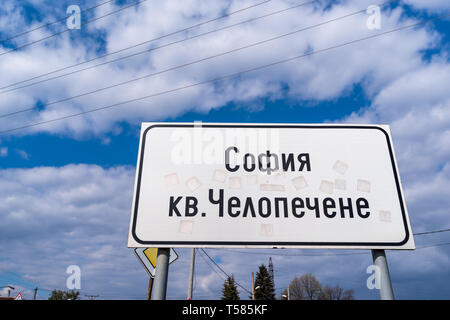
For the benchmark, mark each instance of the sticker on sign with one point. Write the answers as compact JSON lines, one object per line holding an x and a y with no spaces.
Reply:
{"x":268,"y":186}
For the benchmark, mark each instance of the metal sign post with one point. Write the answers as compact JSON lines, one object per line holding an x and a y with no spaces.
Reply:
{"x":237,"y":185}
{"x":162,"y":271}
{"x":379,"y":260}
{"x":191,"y":275}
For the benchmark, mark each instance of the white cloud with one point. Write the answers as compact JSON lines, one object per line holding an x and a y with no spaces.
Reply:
{"x":417,"y":107}
{"x":4,"y":292}
{"x":55,"y":217}
{"x":3,"y":152}
{"x":324,"y":76}
{"x":22,"y":154}
{"x":79,"y":214}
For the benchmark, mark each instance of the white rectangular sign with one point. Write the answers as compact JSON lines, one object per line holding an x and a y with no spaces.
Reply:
{"x":268,"y":186}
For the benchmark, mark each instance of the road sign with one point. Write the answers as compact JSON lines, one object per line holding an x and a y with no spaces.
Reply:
{"x":268,"y":185}
{"x":147,"y":256}
{"x":19,"y":297}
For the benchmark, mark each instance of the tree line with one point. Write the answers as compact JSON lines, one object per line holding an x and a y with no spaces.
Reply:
{"x":304,"y":287}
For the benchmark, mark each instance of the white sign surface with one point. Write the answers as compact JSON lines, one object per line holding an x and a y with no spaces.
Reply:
{"x":267,"y":186}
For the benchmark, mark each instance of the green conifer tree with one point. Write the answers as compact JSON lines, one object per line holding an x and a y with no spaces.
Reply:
{"x":229,"y":290}
{"x":264,"y":286}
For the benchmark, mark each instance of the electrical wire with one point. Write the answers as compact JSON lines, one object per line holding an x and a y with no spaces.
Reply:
{"x":430,"y":232}
{"x":146,"y":50}
{"x":322,"y":254}
{"x":434,"y":245}
{"x":220,"y":268}
{"x":180,"y":66}
{"x":53,"y":22}
{"x":338,"y":254}
{"x":66,"y":30}
{"x":233,"y":75}
{"x":206,"y":261}
{"x":203,"y":251}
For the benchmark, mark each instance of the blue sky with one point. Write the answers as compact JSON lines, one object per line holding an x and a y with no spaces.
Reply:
{"x":51,"y":150}
{"x":66,"y":187}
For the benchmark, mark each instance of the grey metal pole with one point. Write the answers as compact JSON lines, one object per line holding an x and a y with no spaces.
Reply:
{"x":149,"y":289}
{"x":161,"y":274}
{"x":191,"y":275}
{"x":379,"y":260}
{"x":253,"y":286}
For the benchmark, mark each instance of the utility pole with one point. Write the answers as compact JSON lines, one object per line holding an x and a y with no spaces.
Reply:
{"x":150,"y":287}
{"x":253,"y":286}
{"x":35,"y":293}
{"x":271,"y":273}
{"x":191,"y":275}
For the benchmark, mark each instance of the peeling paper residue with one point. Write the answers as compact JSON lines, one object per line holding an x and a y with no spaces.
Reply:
{"x":193,"y":183}
{"x":235,"y":183}
{"x":252,"y":180}
{"x":326,"y":186}
{"x":299,"y":183}
{"x":363,"y":185}
{"x":220,"y":176}
{"x":385,"y":216}
{"x":340,"y":167}
{"x":271,"y":187}
{"x":340,"y":184}
{"x":186,"y":227}
{"x":171,"y":179}
{"x":266,"y":230}
{"x":280,"y":175}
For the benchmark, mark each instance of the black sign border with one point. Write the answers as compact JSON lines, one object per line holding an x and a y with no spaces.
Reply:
{"x":268,"y":243}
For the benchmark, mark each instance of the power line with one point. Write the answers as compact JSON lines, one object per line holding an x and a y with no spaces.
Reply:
{"x":245,"y":252}
{"x":434,"y":245}
{"x":51,"y":23}
{"x":180,"y":66}
{"x":324,"y":254}
{"x":430,"y":232}
{"x":220,"y":78}
{"x":339,"y":254}
{"x":218,"y":266}
{"x":66,"y":30}
{"x":144,"y":51}
{"x":272,"y":253}
{"x":206,"y":261}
